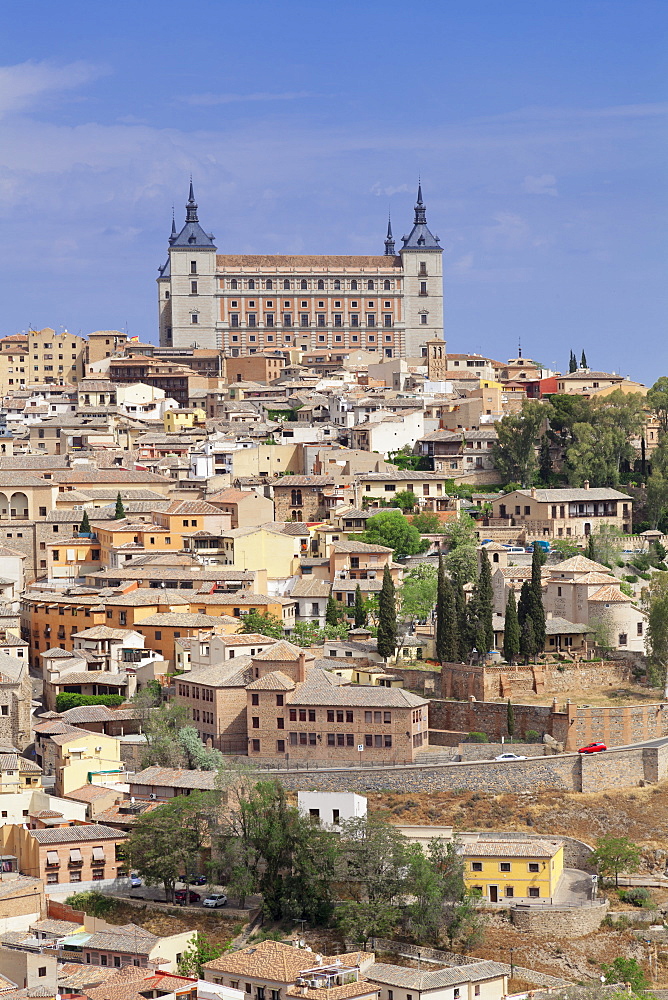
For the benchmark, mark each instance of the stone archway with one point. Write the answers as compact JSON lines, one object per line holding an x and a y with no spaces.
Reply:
{"x":19,"y":507}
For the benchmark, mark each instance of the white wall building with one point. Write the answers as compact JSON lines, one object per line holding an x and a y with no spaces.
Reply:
{"x":331,"y":808}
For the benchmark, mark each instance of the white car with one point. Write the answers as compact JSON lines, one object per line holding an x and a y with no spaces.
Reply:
{"x":215,"y":899}
{"x":510,"y":756}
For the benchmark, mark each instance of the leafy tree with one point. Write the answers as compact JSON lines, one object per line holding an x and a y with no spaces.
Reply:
{"x":627,"y":970}
{"x":528,"y":647}
{"x":360,"y":610}
{"x":515,"y":448}
{"x":418,"y":591}
{"x":564,"y":548}
{"x":605,"y":544}
{"x":656,"y":634}
{"x":198,"y":756}
{"x":160,"y":725}
{"x":120,"y":509}
{"x":428,"y":523}
{"x":657,"y":399}
{"x":511,"y":631}
{"x":307,"y":634}
{"x":405,"y":460}
{"x":485,"y":597}
{"x":447,"y":643}
{"x":614,"y":855}
{"x":583,"y":361}
{"x":545,"y":460}
{"x":387,"y":617}
{"x":84,"y":527}
{"x":462,"y":564}
{"x":510,"y":718}
{"x":197,"y":954}
{"x":373,"y":860}
{"x":361,"y":921}
{"x":405,"y":500}
{"x":263,"y":624}
{"x":461,"y":532}
{"x":166,"y":843}
{"x":657,"y":498}
{"x":602,"y":443}
{"x":392,"y":529}
{"x":465,"y":925}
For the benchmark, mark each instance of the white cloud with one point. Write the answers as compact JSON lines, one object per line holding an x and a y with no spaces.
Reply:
{"x":544,"y":184}
{"x":212,"y":100}
{"x":23,"y":86}
{"x":378,"y":189}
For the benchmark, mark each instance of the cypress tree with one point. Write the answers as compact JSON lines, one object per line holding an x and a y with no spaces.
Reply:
{"x":360,"y":613}
{"x":527,"y":640}
{"x":537,"y":609}
{"x":583,"y":361}
{"x":447,"y":642}
{"x":510,"y":718}
{"x":84,"y":527}
{"x":332,"y":612}
{"x":462,"y":634}
{"x":590,"y":550}
{"x":511,"y":632}
{"x":120,"y":509}
{"x":485,"y":603}
{"x":524,"y":605}
{"x":572,"y":364}
{"x":387,"y":617}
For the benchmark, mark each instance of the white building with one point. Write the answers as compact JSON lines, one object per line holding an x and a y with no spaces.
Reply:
{"x":331,"y":808}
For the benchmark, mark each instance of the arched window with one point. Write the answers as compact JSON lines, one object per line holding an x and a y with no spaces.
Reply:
{"x":321,"y":285}
{"x":251,"y":283}
{"x":337,"y":285}
{"x":386,"y":285}
{"x":369,"y":285}
{"x":296,"y":498}
{"x":286,"y":283}
{"x":303,"y":284}
{"x":270,"y":283}
{"x":234,"y":283}
{"x":353,"y":285}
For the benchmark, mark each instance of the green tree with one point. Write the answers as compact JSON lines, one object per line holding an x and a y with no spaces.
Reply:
{"x":387,"y":617}
{"x":657,"y":499}
{"x":515,"y":448}
{"x":165,"y":844}
{"x":614,"y":855}
{"x":447,"y":643}
{"x":360,"y":610}
{"x":307,"y":634}
{"x":120,"y":509}
{"x":428,"y":523}
{"x":627,"y":970}
{"x":537,"y":609}
{"x":655,"y":605}
{"x":545,"y":460}
{"x":392,"y":529}
{"x":485,"y":597}
{"x":465,"y":924}
{"x":160,"y":725}
{"x":197,"y":954}
{"x":604,"y":442}
{"x":564,"y":547}
{"x":361,"y":921}
{"x":373,"y":860}
{"x":418,"y":591}
{"x":198,"y":756}
{"x":405,"y":500}
{"x":465,"y":646}
{"x":511,"y":631}
{"x":510,"y":718}
{"x":528,"y":647}
{"x":253,"y":622}
{"x":583,"y":361}
{"x":572,"y":364}
{"x":461,"y":532}
{"x":462,"y":564}
{"x":334,"y":612}
{"x":657,"y":400}
{"x":84,"y":527}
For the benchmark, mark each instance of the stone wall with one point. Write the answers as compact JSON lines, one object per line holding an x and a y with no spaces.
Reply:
{"x":427,"y":682}
{"x":488,"y":751}
{"x":492,"y":718}
{"x":567,"y":772}
{"x":620,"y":725}
{"x":557,"y":922}
{"x":461,"y":680}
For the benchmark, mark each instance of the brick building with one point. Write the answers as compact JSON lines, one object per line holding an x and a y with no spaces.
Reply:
{"x":69,"y":854}
{"x":301,"y":498}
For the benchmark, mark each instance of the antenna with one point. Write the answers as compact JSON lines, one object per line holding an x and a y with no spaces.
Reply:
{"x":519,"y":347}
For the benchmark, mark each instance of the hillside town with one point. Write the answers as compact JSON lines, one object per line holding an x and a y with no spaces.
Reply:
{"x":306,"y":620}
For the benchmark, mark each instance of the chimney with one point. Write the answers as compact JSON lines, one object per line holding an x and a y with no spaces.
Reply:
{"x":301,"y":668}
{"x":586,"y":484}
{"x":533,"y":492}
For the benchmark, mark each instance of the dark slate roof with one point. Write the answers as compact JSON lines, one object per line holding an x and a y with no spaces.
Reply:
{"x":420,"y":236}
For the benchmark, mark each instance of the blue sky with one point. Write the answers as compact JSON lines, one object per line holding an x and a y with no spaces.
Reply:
{"x":539,"y":130}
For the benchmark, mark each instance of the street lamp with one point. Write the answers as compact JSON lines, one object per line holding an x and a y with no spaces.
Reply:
{"x":512,"y":967}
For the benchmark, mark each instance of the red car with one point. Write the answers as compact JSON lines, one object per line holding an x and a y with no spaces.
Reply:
{"x":593,"y":748}
{"x":180,"y":896}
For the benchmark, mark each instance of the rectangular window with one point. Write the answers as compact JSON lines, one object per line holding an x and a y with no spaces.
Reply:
{"x":293,"y":739}
{"x":504,"y":866}
{"x":423,"y":288}
{"x":280,"y":746}
{"x":387,"y":319}
{"x":321,"y":319}
{"x":354,"y":319}
{"x":252,"y":319}
{"x":293,"y":715}
{"x":534,"y":866}
{"x":255,"y":722}
{"x":280,"y":700}
{"x":303,"y":319}
{"x":349,"y":716}
{"x":255,"y":699}
{"x":476,"y":866}
{"x":509,"y":891}
{"x":255,"y":746}
{"x":269,"y":319}
{"x":194,"y":318}
{"x":287,"y":319}
{"x":331,"y":740}
{"x":370,"y":319}
{"x":368,"y":741}
{"x":193,"y":288}
{"x":234,"y":319}
{"x":534,"y":891}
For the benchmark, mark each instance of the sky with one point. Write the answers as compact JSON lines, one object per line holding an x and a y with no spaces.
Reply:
{"x":538,"y":129}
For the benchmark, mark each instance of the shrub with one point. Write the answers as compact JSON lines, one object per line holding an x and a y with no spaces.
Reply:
{"x":630,"y":578}
{"x":532,"y":736}
{"x":636,"y":897}
{"x":621,"y":563}
{"x":477,"y":738}
{"x":69,"y":699}
{"x":93,"y":903}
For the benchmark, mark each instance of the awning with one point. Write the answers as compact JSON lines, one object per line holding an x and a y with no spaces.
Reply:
{"x":98,"y":854}
{"x":52,"y":858}
{"x":75,"y":854}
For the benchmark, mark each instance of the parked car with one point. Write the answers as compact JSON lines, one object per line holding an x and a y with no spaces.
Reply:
{"x":510,"y":756}
{"x":593,"y":748}
{"x":215,"y":899}
{"x":198,"y":879}
{"x":514,"y":549}
{"x":180,"y":896}
{"x":135,"y":880}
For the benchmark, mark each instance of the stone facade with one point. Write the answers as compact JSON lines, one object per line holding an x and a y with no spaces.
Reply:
{"x":560,"y":922}
{"x":461,"y":680}
{"x":15,"y":702}
{"x":301,"y":498}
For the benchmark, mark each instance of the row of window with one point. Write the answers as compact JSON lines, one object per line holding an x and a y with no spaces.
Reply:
{"x":305,"y":321}
{"x":305,"y":304}
{"x":303,"y":284}
{"x":206,"y":717}
{"x":371,"y":339}
{"x":505,"y":866}
{"x":349,"y":740}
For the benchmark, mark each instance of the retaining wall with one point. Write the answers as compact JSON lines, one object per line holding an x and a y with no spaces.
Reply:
{"x":554,"y":921}
{"x":491,"y":717}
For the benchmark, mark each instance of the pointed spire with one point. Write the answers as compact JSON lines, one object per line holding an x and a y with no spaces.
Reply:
{"x":420,"y":208}
{"x":174,"y":233}
{"x":389,"y":239}
{"x":191,"y":205}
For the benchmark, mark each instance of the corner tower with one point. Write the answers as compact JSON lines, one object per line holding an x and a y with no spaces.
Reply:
{"x":421,"y":258}
{"x":187,"y":285}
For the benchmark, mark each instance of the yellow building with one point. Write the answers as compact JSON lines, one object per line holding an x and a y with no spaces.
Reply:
{"x":175,"y":421}
{"x":263,"y":547}
{"x":514,"y":870}
{"x":80,"y":757}
{"x":14,"y":362}
{"x":55,"y":357}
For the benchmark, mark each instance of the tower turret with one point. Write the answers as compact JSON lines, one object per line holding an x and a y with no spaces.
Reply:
{"x":389,"y":240}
